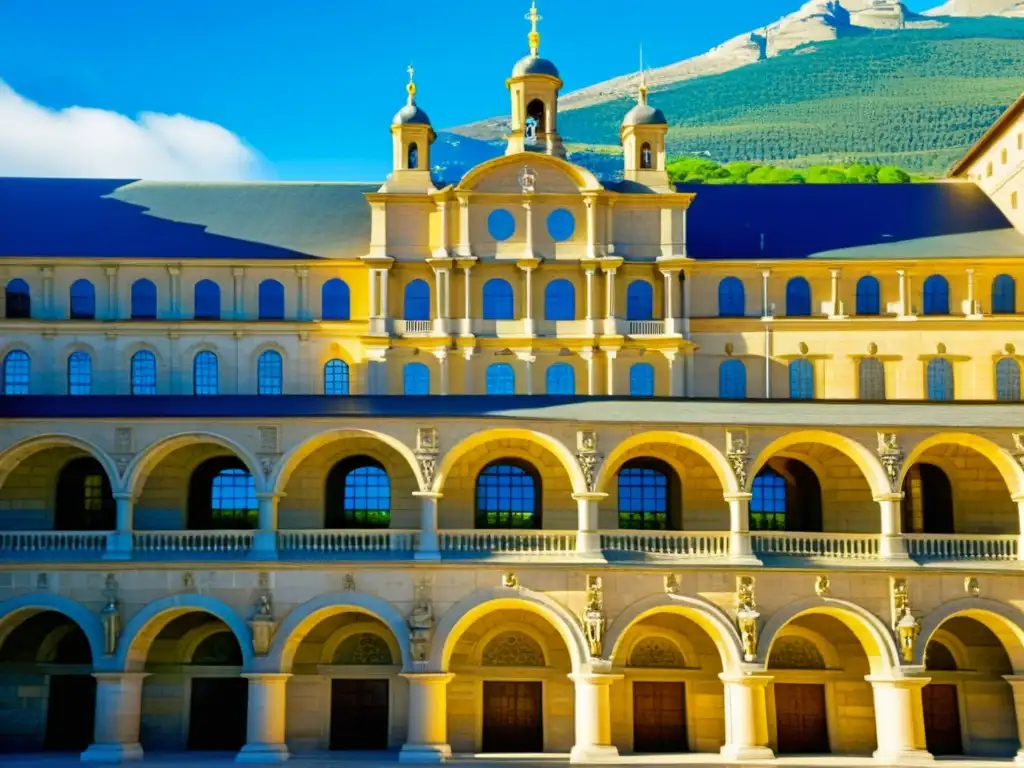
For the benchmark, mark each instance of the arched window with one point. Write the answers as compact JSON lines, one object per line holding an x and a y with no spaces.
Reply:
{"x":927,"y":504}
{"x":1008,"y":380}
{"x":413,"y":157}
{"x":560,"y":300}
{"x":535,"y":110}
{"x":641,"y":380}
{"x":732,"y":380}
{"x":646,"y":156}
{"x":501,"y":379}
{"x":334,"y":300}
{"x":768,"y":501}
{"x":801,"y":380}
{"x":143,"y":300}
{"x":83,"y":300}
{"x":143,"y":373}
{"x":271,"y":300}
{"x":798,"y":298}
{"x":649,"y":496}
{"x":79,"y":373}
{"x":731,"y":299}
{"x":869,"y":296}
{"x":17,"y":300}
{"x":786,"y":497}
{"x":936,"y":295}
{"x":17,"y":372}
{"x":508,"y":495}
{"x":84,"y":501}
{"x":336,"y":380}
{"x":206,"y":300}
{"x":499,"y":300}
{"x":939,"y":375}
{"x":222,"y":496}
{"x":416,"y":379}
{"x":1004,"y":296}
{"x":561,"y":379}
{"x":269,"y":373}
{"x":358,"y":494}
{"x":640,"y":301}
{"x":871,"y":372}
{"x":205,"y":374}
{"x":417,"y":300}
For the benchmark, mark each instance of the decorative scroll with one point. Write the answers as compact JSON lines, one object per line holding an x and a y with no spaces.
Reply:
{"x":427,"y":449}
{"x":513,"y":649}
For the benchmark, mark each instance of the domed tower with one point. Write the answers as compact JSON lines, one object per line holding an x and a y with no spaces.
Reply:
{"x":411,"y":137}
{"x":642,"y":135}
{"x":534,"y":87}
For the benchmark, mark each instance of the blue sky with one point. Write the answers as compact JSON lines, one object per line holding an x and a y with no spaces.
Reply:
{"x":313,"y":84}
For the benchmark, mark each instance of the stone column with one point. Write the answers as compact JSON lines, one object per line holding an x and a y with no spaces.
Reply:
{"x":118,"y":711}
{"x":675,"y":378}
{"x":428,"y":548}
{"x":1020,"y":526}
{"x":588,"y":357}
{"x":467,"y":318}
{"x":892,"y":546}
{"x":970,"y":293}
{"x":739,"y":525}
{"x":765,"y":308}
{"x":591,"y":206}
{"x":527,"y":360}
{"x":1017,"y":684}
{"x":49,"y":311}
{"x":464,"y":249}
{"x":609,"y":299}
{"x":174,"y":278}
{"x":442,"y":369}
{"x":588,"y":536}
{"x":903,"y":292}
{"x":467,"y":371}
{"x":265,"y":539}
{"x":303,"y":309}
{"x":527,"y":299}
{"x":746,"y":717}
{"x":119,"y":541}
{"x":590,"y":293}
{"x":899,"y":719}
{"x":609,"y":357}
{"x":427,"y":739}
{"x":835,"y":293}
{"x":528,"y":245}
{"x":669,"y":302}
{"x":111,"y":293}
{"x":238,"y":308}
{"x":264,"y":725}
{"x":442,"y":250}
{"x":374,"y":311}
{"x":384,"y":273}
{"x":593,"y":718}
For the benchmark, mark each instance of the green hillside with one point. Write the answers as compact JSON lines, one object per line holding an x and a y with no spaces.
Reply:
{"x":913,"y":98}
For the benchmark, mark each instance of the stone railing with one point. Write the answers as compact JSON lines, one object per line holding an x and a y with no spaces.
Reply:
{"x":846,"y":546}
{"x":937,"y":546}
{"x":414,"y":327}
{"x":506,"y":542}
{"x":646,"y":327}
{"x":667,"y":543}
{"x":192,"y":542}
{"x":73,"y":543}
{"x":330,"y":542}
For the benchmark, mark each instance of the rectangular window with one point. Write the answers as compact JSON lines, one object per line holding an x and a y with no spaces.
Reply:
{"x":1003,"y":157}
{"x":988,"y":170}
{"x":1013,"y":200}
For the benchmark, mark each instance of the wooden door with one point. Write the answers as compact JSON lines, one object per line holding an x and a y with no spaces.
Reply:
{"x":659,"y":717}
{"x":217,"y":714}
{"x":359,"y":714}
{"x":800,"y":716}
{"x":513,"y":719}
{"x":942,"y":719}
{"x":70,"y":712}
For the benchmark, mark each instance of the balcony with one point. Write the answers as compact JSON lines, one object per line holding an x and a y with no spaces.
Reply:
{"x":838,"y":546}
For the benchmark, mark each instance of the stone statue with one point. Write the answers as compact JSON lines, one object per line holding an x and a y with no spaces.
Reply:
{"x":509,"y":581}
{"x":421,"y":623}
{"x":593,"y":617}
{"x":263,"y":624}
{"x":891,"y":456}
{"x":747,"y":616}
{"x":672,"y":586}
{"x":738,"y":457}
{"x":110,"y":616}
{"x":822,"y":586}
{"x":972,"y":587}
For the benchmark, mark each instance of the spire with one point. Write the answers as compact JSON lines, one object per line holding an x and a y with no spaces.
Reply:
{"x":534,"y":37}
{"x":642,"y":98}
{"x":410,"y":87}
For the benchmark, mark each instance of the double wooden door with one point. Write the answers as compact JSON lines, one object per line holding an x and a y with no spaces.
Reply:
{"x":659,"y":717}
{"x":359,"y":714}
{"x":70,"y":712}
{"x":513,"y":717}
{"x":218,"y":713}
{"x":800,"y":717}
{"x":942,"y":719}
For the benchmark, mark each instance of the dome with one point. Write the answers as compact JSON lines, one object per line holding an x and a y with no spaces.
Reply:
{"x":411,"y":114}
{"x":534,"y":65}
{"x":644,"y":114}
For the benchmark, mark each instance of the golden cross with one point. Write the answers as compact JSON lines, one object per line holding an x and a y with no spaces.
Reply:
{"x":533,"y":17}
{"x":411,"y":87}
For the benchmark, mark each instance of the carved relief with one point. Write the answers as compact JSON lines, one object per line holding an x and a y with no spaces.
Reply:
{"x":348,"y":582}
{"x":123,"y":440}
{"x":795,"y":653}
{"x":421,"y":622}
{"x":509,"y":581}
{"x":267,"y":440}
{"x":891,"y":456}
{"x":822,"y":586}
{"x":364,"y":648}
{"x":110,"y":616}
{"x":267,"y":465}
{"x":593,"y":617}
{"x":1018,"y":448}
{"x":672,"y":585}
{"x":427,"y":448}
{"x":747,"y":616}
{"x":263,"y":623}
{"x":972,"y":587}
{"x":513,"y":649}
{"x":587,"y":457}
{"x":656,"y":652}
{"x":737,"y":454}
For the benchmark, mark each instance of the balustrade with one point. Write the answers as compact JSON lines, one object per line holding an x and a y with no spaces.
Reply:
{"x":646,"y":327}
{"x":667,"y":543}
{"x":317,"y":542}
{"x":192,"y":542}
{"x":415,"y":327}
{"x":507,"y":541}
{"x":962,"y":546}
{"x":58,"y":542}
{"x":846,"y":546}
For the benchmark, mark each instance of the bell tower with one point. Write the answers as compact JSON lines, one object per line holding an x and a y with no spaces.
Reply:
{"x":642,"y":135}
{"x":411,"y":137}
{"x":534,"y":87}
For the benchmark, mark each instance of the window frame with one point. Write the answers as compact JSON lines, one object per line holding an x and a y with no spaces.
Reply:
{"x":139,"y":378}
{"x":264,"y":386}
{"x":521,"y":471}
{"x":75,"y":361}
{"x":202,"y":360}
{"x":17,"y":371}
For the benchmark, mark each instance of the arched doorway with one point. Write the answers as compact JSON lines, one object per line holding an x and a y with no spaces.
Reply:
{"x":46,"y":685}
{"x":927,"y":500}
{"x":940,"y":701}
{"x":786,"y":497}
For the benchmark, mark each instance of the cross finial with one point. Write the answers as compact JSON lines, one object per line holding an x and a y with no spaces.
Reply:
{"x":411,"y":87}
{"x":534,"y":37}
{"x":643,"y":77}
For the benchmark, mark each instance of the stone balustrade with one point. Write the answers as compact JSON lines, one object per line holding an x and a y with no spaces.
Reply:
{"x":667,"y":543}
{"x":844,"y":546}
{"x":192,"y":542}
{"x":57,"y":543}
{"x":341,"y":541}
{"x":507,"y":542}
{"x":931,"y":546}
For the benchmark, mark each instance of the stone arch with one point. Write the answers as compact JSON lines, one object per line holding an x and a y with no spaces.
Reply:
{"x":709,"y":617}
{"x":150,"y":457}
{"x":719,"y":464}
{"x":303,"y":618}
{"x":553,"y":445}
{"x":375,"y":628}
{"x":23,"y":449}
{"x":865,"y":460}
{"x":584,"y":179}
{"x":484,"y":644}
{"x":1002,"y":460}
{"x":874,"y":637}
{"x":461,"y":616}
{"x":139,"y":633}
{"x":31,"y":604}
{"x":291,"y":460}
{"x":1004,"y":621}
{"x":679,"y":642}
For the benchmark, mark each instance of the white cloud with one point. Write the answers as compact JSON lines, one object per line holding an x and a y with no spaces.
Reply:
{"x":96,"y":143}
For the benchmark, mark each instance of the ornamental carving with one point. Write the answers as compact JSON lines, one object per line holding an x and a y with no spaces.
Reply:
{"x":655,"y":652}
{"x":747,"y":616}
{"x":263,"y":623}
{"x":267,"y":466}
{"x":906,"y":625}
{"x":509,"y":581}
{"x":891,"y":456}
{"x":122,"y":463}
{"x":364,"y":648}
{"x":421,"y":622}
{"x":972,"y":587}
{"x":267,"y":439}
{"x":427,"y":448}
{"x":672,"y":585}
{"x":123,"y":440}
{"x":513,"y":649}
{"x":1018,"y":448}
{"x":822,"y":586}
{"x":737,"y":454}
{"x":593,"y":617}
{"x":587,"y":457}
{"x":110,"y":616}
{"x":795,"y":653}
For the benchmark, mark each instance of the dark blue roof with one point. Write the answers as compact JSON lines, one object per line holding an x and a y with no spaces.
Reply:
{"x":791,"y":221}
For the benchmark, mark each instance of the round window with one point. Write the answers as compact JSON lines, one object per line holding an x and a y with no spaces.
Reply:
{"x":561,"y":225}
{"x":501,"y":224}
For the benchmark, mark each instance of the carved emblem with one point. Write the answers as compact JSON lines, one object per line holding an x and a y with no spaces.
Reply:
{"x":267,"y":439}
{"x":891,"y":456}
{"x":672,"y":586}
{"x":747,"y":616}
{"x":263,"y":623}
{"x":123,"y":440}
{"x":587,"y":457}
{"x":188,"y":581}
{"x":906,"y":625}
{"x":110,"y":616}
{"x":593,"y":617}
{"x":427,"y":448}
{"x":122,"y":462}
{"x":736,"y":453}
{"x":42,"y":581}
{"x":822,"y":586}
{"x":421,"y":622}
{"x":348,"y":582}
{"x":509,"y":581}
{"x":972,"y":587}
{"x":267,"y":466}
{"x":528,"y":180}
